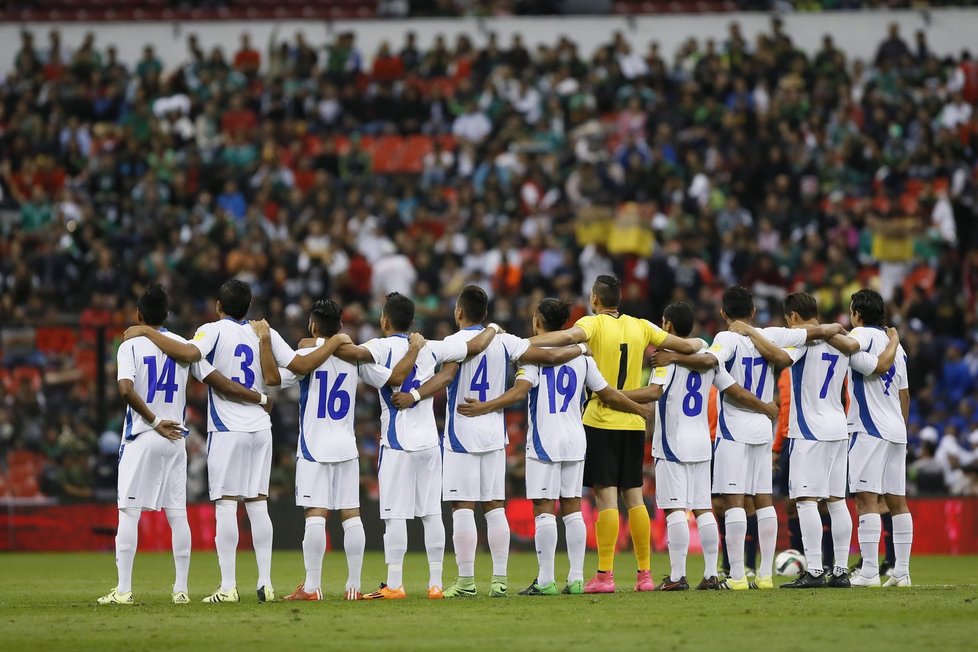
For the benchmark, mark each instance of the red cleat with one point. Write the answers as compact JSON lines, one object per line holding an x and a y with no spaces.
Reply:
{"x":644,"y":581}
{"x":301,"y":595}
{"x":601,"y":583}
{"x":353,"y":594}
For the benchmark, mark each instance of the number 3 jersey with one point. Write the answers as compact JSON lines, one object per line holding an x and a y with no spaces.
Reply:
{"x":874,"y":400}
{"x":327,"y":400}
{"x":741,"y":359}
{"x":682,"y":423}
{"x":157,"y":379}
{"x":482,"y":377}
{"x":556,"y":397}
{"x":231,"y":346}
{"x":818,"y":374}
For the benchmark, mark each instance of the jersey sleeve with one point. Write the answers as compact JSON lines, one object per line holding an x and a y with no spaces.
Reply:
{"x":723,"y":347}
{"x":529,"y":373}
{"x":450,"y":349}
{"x":515,"y":346}
{"x":588,"y":324}
{"x":862,"y":336}
{"x":375,"y":375}
{"x":722,"y":380}
{"x":378,"y":349}
{"x":653,"y":334}
{"x":125,"y":359}
{"x":281,"y":351}
{"x":903,"y":380}
{"x":795,"y":352}
{"x":661,"y":375}
{"x":288,"y":378}
{"x":592,"y":377}
{"x":206,"y":338}
{"x":201,"y":369}
{"x":786,"y":337}
{"x":864,"y":363}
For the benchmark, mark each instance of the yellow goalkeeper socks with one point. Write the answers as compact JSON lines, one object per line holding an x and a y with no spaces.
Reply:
{"x":606,"y":531}
{"x":640,"y":527}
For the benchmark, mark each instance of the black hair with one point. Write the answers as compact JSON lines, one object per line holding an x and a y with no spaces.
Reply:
{"x":399,"y":310}
{"x":235,"y":298}
{"x":326,"y":314}
{"x":680,"y":315}
{"x":738,"y":302}
{"x":608,"y":290}
{"x":869,"y":305}
{"x":802,"y":303}
{"x":153,"y":305}
{"x":554,"y":313}
{"x":474,"y":303}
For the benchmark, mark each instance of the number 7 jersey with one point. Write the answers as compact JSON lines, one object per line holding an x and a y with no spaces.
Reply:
{"x":818,"y":375}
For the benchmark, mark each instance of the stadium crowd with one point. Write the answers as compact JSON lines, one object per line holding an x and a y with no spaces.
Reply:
{"x":313,"y":170}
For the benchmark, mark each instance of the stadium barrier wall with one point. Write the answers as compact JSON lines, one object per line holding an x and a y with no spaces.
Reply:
{"x":945,"y":526}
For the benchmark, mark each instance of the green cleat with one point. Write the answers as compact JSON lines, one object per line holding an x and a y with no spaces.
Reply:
{"x":574,"y":588}
{"x":498,"y":587}
{"x":114,"y":597}
{"x":464,"y":587}
{"x":536,"y":589}
{"x":219,"y":596}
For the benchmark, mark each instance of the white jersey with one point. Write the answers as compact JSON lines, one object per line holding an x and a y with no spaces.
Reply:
{"x":327,"y":400}
{"x":481,"y":377}
{"x":741,"y":359}
{"x":412,"y":429}
{"x":555,"y":406}
{"x":874,"y":400}
{"x":231,"y":346}
{"x":160,"y":381}
{"x":818,"y":375}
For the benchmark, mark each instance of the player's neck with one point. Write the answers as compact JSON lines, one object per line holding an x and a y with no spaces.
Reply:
{"x":601,"y":310}
{"x":807,"y":322}
{"x":464,"y":325}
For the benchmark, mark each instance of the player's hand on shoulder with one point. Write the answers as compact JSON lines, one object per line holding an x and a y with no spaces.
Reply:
{"x":261,"y":328}
{"x":341,"y":339}
{"x":402,"y":400}
{"x":172,"y":430}
{"x":307,"y":343}
{"x":738,"y":327}
{"x":893,"y":334}
{"x":664,"y":358}
{"x":471,"y":408}
{"x":416,"y":341}
{"x":135,"y":331}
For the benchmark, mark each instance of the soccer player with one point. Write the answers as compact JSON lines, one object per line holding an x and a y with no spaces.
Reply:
{"x":153,"y":469}
{"x":682,"y":450}
{"x":327,"y":471}
{"x":239,"y":443}
{"x":743,"y":453}
{"x":410,"y":474}
{"x":878,"y":409}
{"x":616,"y":439}
{"x":474,"y":458}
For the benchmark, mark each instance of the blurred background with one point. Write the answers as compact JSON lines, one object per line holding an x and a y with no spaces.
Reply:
{"x":350,"y":148}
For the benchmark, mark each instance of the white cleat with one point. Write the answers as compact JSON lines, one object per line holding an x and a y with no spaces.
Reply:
{"x":114,"y":597}
{"x":181,"y":597}
{"x":898,"y":581}
{"x":870,"y":582}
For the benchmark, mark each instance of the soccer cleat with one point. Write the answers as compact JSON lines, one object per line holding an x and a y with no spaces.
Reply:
{"x":353,"y":594}
{"x":574,"y":588}
{"x":840,"y":581}
{"x":222,"y":596}
{"x":181,"y":597}
{"x":644,"y":581}
{"x":114,"y":597}
{"x":709,"y":584}
{"x":806,"y":580}
{"x":730,"y":584}
{"x":498,"y":587}
{"x":301,"y":595}
{"x":461,"y":589}
{"x":536,"y":589}
{"x":266,"y":594}
{"x":668,"y":585}
{"x":435,"y":593}
{"x":898,"y":581}
{"x":860,"y":580}
{"x":601,"y":583}
{"x":763,"y":583}
{"x":386,"y":593}
{"x":750,"y":573}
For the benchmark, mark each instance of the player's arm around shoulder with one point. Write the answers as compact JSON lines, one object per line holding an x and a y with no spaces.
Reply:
{"x":404,"y":367}
{"x":568,"y":337}
{"x":654,"y":390}
{"x":554,"y":356}
{"x":178,"y":349}
{"x":768,"y":349}
{"x":726,"y":384}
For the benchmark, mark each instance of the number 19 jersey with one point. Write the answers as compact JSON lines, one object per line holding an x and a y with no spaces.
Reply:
{"x":816,"y":411}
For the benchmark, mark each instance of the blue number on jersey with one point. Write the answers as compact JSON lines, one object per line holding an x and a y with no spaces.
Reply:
{"x":337,"y":401}
{"x":887,"y":379}
{"x":166,"y":382}
{"x":480,"y":380}
{"x":749,"y":365}
{"x":411,"y":382}
{"x":693,"y":401}
{"x":832,"y":359}
{"x":247,"y":355}
{"x":562,"y":383}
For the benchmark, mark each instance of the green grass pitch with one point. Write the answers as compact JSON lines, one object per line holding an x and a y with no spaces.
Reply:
{"x":48,"y":603}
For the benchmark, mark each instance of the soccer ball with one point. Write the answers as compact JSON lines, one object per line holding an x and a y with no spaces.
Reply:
{"x":789,"y":563}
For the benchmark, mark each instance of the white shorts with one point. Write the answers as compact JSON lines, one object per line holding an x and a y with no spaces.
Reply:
{"x":239,"y":463}
{"x":153,"y":473}
{"x":553,"y":480}
{"x":477,"y":477}
{"x":817,"y":469}
{"x":682,"y":485}
{"x":877,"y":466}
{"x":327,"y":485}
{"x":743,"y":469}
{"x":410,"y":482}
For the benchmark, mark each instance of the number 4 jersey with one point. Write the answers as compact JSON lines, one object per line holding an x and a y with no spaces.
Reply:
{"x":874,"y":400}
{"x":157,"y":379}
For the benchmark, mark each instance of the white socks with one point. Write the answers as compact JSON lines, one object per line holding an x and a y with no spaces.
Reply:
{"x":545,"y":540}
{"x":710,"y":540}
{"x":126,"y":540}
{"x":354,"y":542}
{"x":811,"y":535}
{"x":226,"y":541}
{"x":313,"y":549}
{"x":395,"y":545}
{"x":677,"y":534}
{"x":902,"y":541}
{"x":868,"y":532}
{"x":434,"y":545}
{"x":180,"y":542}
{"x":576,"y":534}
{"x":465,"y":538}
{"x":767,"y":539}
{"x":497,"y":531}
{"x":261,"y":537}
{"x":735,"y":520}
{"x":841,"y":535}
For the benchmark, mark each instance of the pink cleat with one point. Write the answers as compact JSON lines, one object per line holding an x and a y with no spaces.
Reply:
{"x":601,"y":583}
{"x":644,"y":581}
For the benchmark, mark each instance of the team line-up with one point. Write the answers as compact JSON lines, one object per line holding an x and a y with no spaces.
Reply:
{"x":583,"y":432}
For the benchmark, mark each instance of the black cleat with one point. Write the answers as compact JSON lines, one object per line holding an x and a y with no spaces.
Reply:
{"x":806,"y":581}
{"x":834,"y":581}
{"x":668,"y":585}
{"x":531,"y":590}
{"x":709,"y":584}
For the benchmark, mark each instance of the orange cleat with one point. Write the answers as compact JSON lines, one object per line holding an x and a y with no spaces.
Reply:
{"x":353,"y":594}
{"x":301,"y":595}
{"x":434,"y":593}
{"x":386,"y":593}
